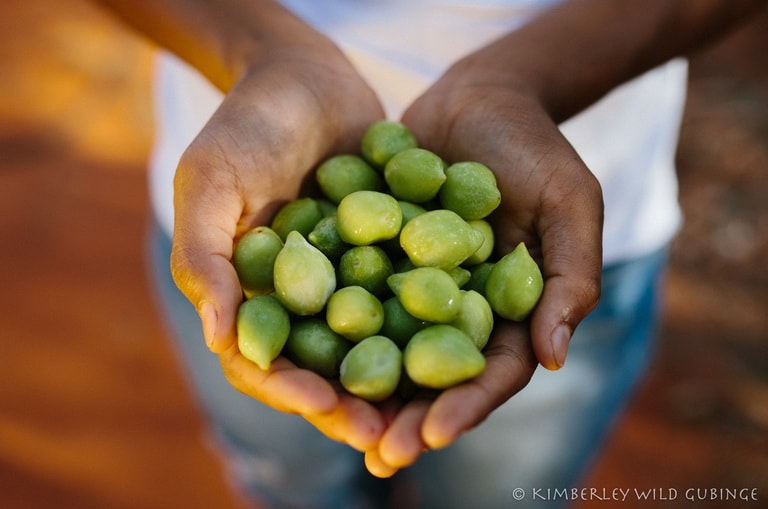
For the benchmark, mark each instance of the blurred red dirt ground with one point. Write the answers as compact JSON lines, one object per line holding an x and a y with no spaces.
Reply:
{"x":94,"y":411}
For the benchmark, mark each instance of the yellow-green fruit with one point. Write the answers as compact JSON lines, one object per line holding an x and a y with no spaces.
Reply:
{"x":392,"y":246}
{"x":486,"y":248}
{"x":384,"y":139}
{"x":475,"y":318}
{"x":514,"y":285}
{"x":415,"y":175}
{"x":254,"y":260}
{"x":366,"y":266}
{"x":366,"y":217}
{"x":439,"y":238}
{"x":263,"y":326}
{"x":313,"y":345}
{"x":371,"y":370}
{"x":355,"y":313}
{"x":343,"y":174}
{"x":470,"y":190}
{"x":427,"y":293}
{"x":399,"y":325}
{"x":442,"y":356}
{"x":304,"y":277}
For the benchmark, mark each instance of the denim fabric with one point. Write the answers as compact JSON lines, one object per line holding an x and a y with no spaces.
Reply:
{"x":543,"y":438}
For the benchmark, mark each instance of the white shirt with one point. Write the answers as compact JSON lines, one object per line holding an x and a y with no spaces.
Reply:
{"x":628,"y":139}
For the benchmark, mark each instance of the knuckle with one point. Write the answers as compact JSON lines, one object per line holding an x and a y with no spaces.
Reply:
{"x":182,"y":268}
{"x":590,"y":293}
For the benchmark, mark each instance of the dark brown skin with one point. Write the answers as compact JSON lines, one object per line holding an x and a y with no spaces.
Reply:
{"x":288,"y":86}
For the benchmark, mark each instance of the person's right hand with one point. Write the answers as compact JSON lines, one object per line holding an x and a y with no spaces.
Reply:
{"x":256,"y":153}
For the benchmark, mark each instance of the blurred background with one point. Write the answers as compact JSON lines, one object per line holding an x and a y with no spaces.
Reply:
{"x":94,"y":411}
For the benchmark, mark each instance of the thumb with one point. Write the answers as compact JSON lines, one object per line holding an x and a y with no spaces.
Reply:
{"x":571,"y":243}
{"x":566,"y":301}
{"x":204,"y":228}
{"x":208,"y":280}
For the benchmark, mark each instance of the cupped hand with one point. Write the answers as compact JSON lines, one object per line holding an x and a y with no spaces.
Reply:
{"x":551,"y":202}
{"x":256,"y":153}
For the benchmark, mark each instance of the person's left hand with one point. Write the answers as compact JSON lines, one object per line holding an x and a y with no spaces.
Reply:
{"x":551,"y":202}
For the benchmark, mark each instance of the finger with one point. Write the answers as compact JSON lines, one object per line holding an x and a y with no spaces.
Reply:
{"x":510,"y":365}
{"x":283,"y":386}
{"x":376,"y":466}
{"x":571,"y":244}
{"x":206,"y":210}
{"x":353,"y":421}
{"x":401,"y":445}
{"x":286,"y":388}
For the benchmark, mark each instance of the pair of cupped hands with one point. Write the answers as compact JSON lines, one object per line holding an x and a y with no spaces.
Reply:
{"x":258,"y":151}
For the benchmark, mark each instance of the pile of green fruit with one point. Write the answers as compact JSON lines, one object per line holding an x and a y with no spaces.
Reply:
{"x":386,"y":280}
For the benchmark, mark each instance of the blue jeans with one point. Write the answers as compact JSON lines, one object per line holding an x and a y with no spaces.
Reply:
{"x":543,"y":438}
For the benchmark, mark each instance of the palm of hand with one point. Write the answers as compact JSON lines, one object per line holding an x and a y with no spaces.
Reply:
{"x":256,"y":153}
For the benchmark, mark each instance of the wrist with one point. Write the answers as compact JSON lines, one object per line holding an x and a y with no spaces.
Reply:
{"x":266,"y":35}
{"x":542,"y":82}
{"x":222,"y":39}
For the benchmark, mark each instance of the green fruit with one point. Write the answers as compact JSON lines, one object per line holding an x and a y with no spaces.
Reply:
{"x":403,"y":264}
{"x":325,"y":237}
{"x":439,"y":238}
{"x":371,"y":370}
{"x":475,"y":318}
{"x":399,"y":325}
{"x":254,"y":260}
{"x":427,"y":293}
{"x":366,"y":266}
{"x":263,"y":326}
{"x":479,"y":276}
{"x":460,"y":275}
{"x":304,"y":277}
{"x":415,"y":175}
{"x":384,"y":139}
{"x":355,"y":313}
{"x":486,"y":248}
{"x":313,"y":345}
{"x":301,"y":215}
{"x":327,"y":207}
{"x":366,"y":217}
{"x":470,"y":190}
{"x":410,"y":210}
{"x":343,"y":174}
{"x":514,"y":285}
{"x":442,"y":356}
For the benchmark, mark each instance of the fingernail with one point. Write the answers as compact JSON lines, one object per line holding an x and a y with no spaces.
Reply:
{"x":560,"y":339}
{"x":208,"y":318}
